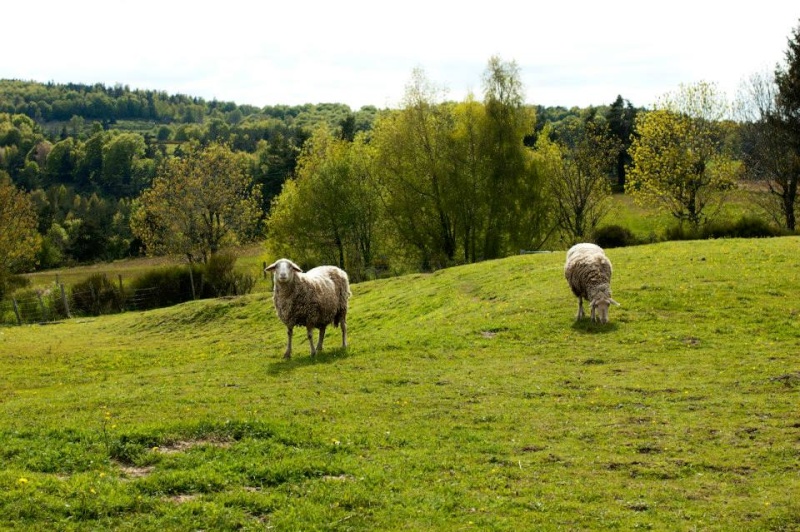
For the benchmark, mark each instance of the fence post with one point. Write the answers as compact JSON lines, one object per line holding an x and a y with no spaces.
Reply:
{"x":16,"y":311}
{"x":264,"y":269}
{"x":65,"y":300}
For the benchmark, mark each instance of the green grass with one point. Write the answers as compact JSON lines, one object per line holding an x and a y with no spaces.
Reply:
{"x":649,"y":224}
{"x":468,"y":399}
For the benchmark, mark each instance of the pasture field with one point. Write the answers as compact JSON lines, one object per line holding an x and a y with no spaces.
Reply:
{"x":469,"y":399}
{"x":249,"y":260}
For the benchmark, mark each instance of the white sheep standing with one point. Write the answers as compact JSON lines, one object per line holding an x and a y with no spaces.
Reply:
{"x":588,"y":272}
{"x":312,"y":300}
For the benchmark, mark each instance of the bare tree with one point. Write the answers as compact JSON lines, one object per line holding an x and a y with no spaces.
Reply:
{"x":577,"y":169}
{"x":767,"y":145}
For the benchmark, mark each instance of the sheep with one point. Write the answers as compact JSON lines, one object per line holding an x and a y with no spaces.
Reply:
{"x":588,"y":272}
{"x":313,"y":299}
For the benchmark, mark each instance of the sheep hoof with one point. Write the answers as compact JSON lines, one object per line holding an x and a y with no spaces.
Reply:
{"x":287,"y":355}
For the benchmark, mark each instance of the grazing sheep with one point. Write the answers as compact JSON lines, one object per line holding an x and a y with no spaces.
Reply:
{"x":312,"y":300}
{"x":588,"y":272}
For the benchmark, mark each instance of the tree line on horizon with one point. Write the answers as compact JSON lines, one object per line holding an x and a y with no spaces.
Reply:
{"x":84,"y":174}
{"x":427,"y":185}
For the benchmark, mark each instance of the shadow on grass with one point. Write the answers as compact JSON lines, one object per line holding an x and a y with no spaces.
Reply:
{"x":327,"y":356}
{"x":591,"y":327}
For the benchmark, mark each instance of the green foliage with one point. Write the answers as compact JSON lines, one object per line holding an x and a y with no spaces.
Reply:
{"x":468,"y":398}
{"x":221,"y":276}
{"x":96,"y":295}
{"x":165,"y":286}
{"x":412,"y":175}
{"x":19,"y":240}
{"x":621,"y":118}
{"x":170,"y":285}
{"x":515,"y":218}
{"x":576,"y":175}
{"x":456,"y":181}
{"x":746,"y":226}
{"x":198,"y":204}
{"x":787,"y":78}
{"x":614,"y":236}
{"x":679,"y":161}
{"x":33,"y":305}
{"x":331,"y":211}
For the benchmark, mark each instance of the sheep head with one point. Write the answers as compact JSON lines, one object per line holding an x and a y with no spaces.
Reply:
{"x":600,"y":308}
{"x":283,"y":270}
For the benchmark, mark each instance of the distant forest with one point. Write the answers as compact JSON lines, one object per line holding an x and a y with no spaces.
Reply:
{"x":86,"y":152}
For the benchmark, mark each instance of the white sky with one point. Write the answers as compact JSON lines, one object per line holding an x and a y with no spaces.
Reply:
{"x":570,"y":52}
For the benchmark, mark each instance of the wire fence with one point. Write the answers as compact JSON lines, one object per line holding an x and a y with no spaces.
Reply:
{"x":99,"y":296}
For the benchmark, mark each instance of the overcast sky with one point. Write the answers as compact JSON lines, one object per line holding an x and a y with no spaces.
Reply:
{"x":570,"y":53}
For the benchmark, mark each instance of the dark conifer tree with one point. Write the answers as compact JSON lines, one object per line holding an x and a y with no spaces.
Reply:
{"x":621,"y":116}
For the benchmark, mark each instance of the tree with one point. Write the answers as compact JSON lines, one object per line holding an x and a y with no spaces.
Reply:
{"x":412,"y":149}
{"x":621,"y":116}
{"x":787,"y":79}
{"x":62,"y":160}
{"x":89,"y":171}
{"x":470,"y":175}
{"x":769,"y":157}
{"x":19,"y":239}
{"x":198,"y":204}
{"x":678,"y":160}
{"x":577,"y":173}
{"x":329,"y":212}
{"x":513,"y":191}
{"x":121,"y":154}
{"x":786,"y":119}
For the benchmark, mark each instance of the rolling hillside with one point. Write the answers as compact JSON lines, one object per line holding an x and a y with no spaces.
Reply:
{"x":468,"y":399}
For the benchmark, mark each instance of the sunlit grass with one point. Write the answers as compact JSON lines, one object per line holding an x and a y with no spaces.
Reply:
{"x":649,"y":225}
{"x":468,"y":399}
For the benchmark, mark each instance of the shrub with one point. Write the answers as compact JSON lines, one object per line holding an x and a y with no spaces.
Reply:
{"x":681,"y":232}
{"x":10,"y":282}
{"x":745,"y":227}
{"x":614,"y":236}
{"x":34,"y":306}
{"x":223,"y":279}
{"x":163,"y":287}
{"x":96,"y":295}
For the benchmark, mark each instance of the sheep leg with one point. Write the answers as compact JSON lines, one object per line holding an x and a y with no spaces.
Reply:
{"x":580,"y":309}
{"x":288,"y":354}
{"x":310,"y":336}
{"x":343,"y":325}
{"x":321,"y":337}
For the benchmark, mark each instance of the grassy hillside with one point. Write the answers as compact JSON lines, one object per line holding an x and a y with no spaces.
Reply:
{"x":468,"y":399}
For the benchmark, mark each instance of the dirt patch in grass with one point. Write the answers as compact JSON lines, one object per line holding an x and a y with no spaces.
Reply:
{"x":185,"y":445}
{"x":183,"y":498}
{"x":135,"y":472}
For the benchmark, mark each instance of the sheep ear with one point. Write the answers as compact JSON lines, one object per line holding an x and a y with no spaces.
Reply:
{"x":615,"y":303}
{"x":271,"y":267}
{"x":295,"y":267}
